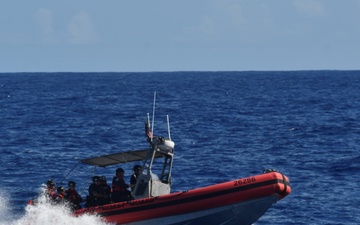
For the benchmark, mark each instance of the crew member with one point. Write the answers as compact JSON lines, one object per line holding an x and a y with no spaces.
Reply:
{"x":50,"y":189}
{"x":96,"y":193}
{"x":119,"y":187}
{"x":134,"y":176}
{"x":107,"y":189}
{"x":59,"y":197}
{"x":73,"y":196}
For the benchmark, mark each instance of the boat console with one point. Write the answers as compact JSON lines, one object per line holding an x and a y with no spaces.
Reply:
{"x":155,"y":178}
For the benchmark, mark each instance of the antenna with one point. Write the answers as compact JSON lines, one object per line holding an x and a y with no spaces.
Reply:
{"x":168,"y":123}
{"x":148,"y":120}
{"x":153,"y":116}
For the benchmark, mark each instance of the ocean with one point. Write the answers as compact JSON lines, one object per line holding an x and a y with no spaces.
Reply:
{"x":225,"y":125}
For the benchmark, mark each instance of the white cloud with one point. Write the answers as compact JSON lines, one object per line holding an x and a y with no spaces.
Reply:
{"x":235,"y":13}
{"x":207,"y":26}
{"x":81,"y":29}
{"x":310,"y":7}
{"x":219,"y":21}
{"x":44,"y":20}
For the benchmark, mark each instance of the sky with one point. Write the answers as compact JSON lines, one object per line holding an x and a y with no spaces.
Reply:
{"x":186,"y":35}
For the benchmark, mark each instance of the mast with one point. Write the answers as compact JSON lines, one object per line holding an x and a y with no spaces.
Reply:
{"x":153,"y":116}
{"x":168,"y":124}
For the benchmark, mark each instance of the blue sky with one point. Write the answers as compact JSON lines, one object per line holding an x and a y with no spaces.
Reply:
{"x":167,"y":35}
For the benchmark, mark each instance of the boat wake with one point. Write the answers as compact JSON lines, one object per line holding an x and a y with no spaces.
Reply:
{"x":44,"y":213}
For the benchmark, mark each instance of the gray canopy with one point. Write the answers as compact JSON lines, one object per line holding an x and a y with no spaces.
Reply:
{"x":118,"y":158}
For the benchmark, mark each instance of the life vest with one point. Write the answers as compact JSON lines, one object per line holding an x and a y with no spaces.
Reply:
{"x":58,"y":196}
{"x":73,"y":196}
{"x":119,"y":185}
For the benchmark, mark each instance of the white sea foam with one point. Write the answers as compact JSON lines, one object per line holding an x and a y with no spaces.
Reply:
{"x":4,"y":209}
{"x":44,"y":213}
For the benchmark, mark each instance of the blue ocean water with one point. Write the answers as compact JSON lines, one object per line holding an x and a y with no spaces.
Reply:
{"x":225,"y":125}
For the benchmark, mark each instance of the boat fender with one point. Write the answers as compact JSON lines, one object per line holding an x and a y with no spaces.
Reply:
{"x":283,"y":179}
{"x":285,"y":184}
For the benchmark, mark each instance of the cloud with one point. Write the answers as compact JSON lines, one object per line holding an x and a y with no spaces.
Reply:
{"x":220,"y":20}
{"x":44,"y":20}
{"x":81,"y":29}
{"x":234,"y":11}
{"x":311,"y":8}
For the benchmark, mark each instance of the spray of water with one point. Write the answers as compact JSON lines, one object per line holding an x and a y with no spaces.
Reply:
{"x":44,"y":213}
{"x":4,"y":215}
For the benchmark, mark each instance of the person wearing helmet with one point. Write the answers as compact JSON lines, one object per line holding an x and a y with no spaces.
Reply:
{"x":59,"y":197}
{"x":50,"y":189}
{"x":107,"y":189}
{"x":96,"y":193}
{"x":119,"y":187}
{"x":134,"y":176}
{"x":73,"y":196}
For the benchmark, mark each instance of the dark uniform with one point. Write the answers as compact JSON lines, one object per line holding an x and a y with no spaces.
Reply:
{"x":59,"y":197}
{"x":96,"y":193}
{"x":107,"y":189}
{"x":134,"y":176}
{"x":73,"y":196}
{"x":119,"y":188}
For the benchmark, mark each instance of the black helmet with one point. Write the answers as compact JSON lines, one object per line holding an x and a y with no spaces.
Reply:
{"x":137,"y":167}
{"x":119,"y":170}
{"x":60,"y":189}
{"x":103,"y":178}
{"x":95,"y":178}
{"x":72,"y":183}
{"x":50,"y":183}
